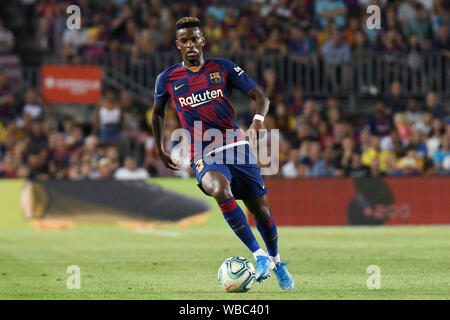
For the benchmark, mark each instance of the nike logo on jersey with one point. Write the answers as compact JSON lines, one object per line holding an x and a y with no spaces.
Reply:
{"x":178,"y":87}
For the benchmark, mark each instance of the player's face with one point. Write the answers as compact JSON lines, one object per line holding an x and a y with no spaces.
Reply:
{"x":190,"y":41}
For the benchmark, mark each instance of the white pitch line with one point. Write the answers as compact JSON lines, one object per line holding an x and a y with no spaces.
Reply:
{"x":162,"y":233}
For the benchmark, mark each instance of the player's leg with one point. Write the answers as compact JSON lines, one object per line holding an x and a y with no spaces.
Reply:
{"x":259,"y":207}
{"x":265,"y":224}
{"x":218,"y":186}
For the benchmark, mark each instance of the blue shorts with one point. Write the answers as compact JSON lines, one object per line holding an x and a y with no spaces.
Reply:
{"x":245,"y":178}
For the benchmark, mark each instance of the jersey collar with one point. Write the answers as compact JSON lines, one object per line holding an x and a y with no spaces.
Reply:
{"x":197,"y":68}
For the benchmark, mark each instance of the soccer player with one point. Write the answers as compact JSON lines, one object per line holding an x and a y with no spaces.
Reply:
{"x":199,"y":90}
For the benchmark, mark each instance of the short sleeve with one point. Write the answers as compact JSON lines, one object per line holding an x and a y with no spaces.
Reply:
{"x":238,"y":78}
{"x":161,"y":95}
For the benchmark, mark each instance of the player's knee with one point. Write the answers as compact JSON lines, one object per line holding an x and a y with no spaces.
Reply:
{"x":217,"y":186}
{"x":219,"y":192}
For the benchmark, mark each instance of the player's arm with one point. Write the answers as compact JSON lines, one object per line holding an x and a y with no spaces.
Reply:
{"x":158,"y":127}
{"x":262,"y":107}
{"x":159,"y":121}
{"x":240,"y":80}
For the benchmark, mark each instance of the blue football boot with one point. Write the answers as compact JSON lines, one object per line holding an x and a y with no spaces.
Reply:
{"x":263,"y":265}
{"x":285,"y":279}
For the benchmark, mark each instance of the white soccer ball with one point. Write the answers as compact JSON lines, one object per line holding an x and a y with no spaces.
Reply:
{"x":237,"y":274}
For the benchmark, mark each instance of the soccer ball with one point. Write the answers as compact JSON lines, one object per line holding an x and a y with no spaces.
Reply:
{"x":237,"y":274}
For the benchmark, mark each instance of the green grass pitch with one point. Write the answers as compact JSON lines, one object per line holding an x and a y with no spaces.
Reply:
{"x":327,"y":263}
{"x":119,"y":263}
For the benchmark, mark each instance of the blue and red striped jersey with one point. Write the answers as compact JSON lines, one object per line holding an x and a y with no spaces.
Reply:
{"x":202,"y":101}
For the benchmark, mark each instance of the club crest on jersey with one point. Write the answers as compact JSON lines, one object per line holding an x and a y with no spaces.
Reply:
{"x":215,"y":77}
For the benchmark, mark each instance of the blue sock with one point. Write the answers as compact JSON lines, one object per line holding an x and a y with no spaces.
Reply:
{"x":270,"y":236}
{"x":238,"y":222}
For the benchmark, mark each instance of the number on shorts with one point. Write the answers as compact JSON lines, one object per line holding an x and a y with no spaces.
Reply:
{"x":199,"y":165}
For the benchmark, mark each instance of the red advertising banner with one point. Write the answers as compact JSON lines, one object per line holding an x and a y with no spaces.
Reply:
{"x":71,"y":84}
{"x":367,"y":201}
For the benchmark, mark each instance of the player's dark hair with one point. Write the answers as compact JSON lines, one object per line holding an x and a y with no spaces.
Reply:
{"x":187,"y":22}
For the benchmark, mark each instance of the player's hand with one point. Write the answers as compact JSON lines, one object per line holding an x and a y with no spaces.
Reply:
{"x":257,"y":129}
{"x":167,"y":160}
{"x":255,"y":132}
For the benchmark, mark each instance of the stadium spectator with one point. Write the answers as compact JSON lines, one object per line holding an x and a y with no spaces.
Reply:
{"x":7,"y":40}
{"x":355,"y":168}
{"x":360,"y":42}
{"x":406,"y":12}
{"x":38,"y":139}
{"x":434,"y":140}
{"x":299,"y":42}
{"x":350,"y":32}
{"x":58,"y":149}
{"x":336,"y":55}
{"x":334,"y":10}
{"x":375,"y":158}
{"x":409,"y":164}
{"x":417,"y":143}
{"x":441,"y":154}
{"x":91,"y":48}
{"x":295,"y":101}
{"x":233,"y":43}
{"x":274,"y":44}
{"x":7,"y":99}
{"x":103,"y":170}
{"x":271,"y":86}
{"x":344,"y":152}
{"x":213,"y":32}
{"x":380,"y":123}
{"x":72,"y":41}
{"x":22,"y":171}
{"x":432,"y":105}
{"x":217,"y":10}
{"x":108,"y":119}
{"x":313,"y":159}
{"x":133,"y":110}
{"x":392,"y":143}
{"x":424,"y":125}
{"x":441,"y":42}
{"x":395,"y":102}
{"x":412,"y":113}
{"x":289,"y":168}
{"x":414,"y":56}
{"x":34,"y":108}
{"x":336,"y":51}
{"x":403,"y":127}
{"x":284,"y":119}
{"x":321,"y":166}
{"x":129,"y":171}
{"x":420,"y":24}
{"x":8,"y":166}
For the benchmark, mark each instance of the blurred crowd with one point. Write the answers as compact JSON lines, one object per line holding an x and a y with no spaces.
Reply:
{"x":399,"y":137}
{"x":298,"y":27}
{"x":33,"y":144}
